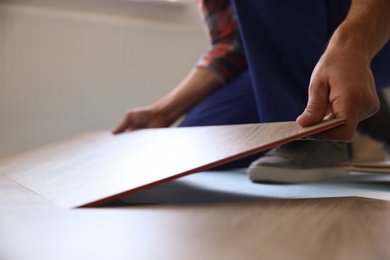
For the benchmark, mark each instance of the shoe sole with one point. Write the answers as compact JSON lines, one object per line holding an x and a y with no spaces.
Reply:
{"x":282,"y":175}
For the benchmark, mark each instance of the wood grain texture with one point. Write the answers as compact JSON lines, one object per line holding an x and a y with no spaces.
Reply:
{"x":337,"y":228}
{"x":99,"y":167}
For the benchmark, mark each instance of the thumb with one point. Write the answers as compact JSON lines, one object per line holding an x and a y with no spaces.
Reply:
{"x":317,"y":106}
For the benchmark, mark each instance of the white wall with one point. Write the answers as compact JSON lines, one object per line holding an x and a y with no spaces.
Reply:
{"x":70,"y":66}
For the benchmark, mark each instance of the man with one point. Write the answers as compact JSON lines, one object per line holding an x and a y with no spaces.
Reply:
{"x":286,"y":47}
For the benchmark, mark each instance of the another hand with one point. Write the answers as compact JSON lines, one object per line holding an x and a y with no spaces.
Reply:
{"x":198,"y":84}
{"x":145,"y":117}
{"x":341,"y":86}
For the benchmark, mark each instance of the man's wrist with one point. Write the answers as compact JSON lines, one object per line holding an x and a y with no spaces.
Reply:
{"x":166,"y":113}
{"x":348,"y":39}
{"x":366,"y":29}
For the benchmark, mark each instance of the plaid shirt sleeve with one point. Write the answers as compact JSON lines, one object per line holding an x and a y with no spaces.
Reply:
{"x":225,"y":57}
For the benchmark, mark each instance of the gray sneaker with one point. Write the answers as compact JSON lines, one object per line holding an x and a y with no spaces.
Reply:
{"x":301,"y":161}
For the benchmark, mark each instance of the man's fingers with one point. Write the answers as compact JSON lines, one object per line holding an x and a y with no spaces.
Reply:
{"x":119,"y":129}
{"x":317,"y":106}
{"x":123,"y":126}
{"x":340,"y":133}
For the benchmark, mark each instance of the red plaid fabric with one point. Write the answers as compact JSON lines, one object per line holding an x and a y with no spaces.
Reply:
{"x":225,"y":57}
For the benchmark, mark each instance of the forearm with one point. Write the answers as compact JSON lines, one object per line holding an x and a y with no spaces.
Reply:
{"x":366,"y":28}
{"x":198,"y":84}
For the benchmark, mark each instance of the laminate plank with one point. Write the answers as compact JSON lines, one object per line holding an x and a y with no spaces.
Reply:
{"x":368,"y":167}
{"x":375,"y":164}
{"x":100,"y":167}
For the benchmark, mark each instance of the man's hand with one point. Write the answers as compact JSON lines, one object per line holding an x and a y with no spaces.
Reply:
{"x":341,"y":86}
{"x":342,"y":83}
{"x":139,"y":118}
{"x":198,"y":84}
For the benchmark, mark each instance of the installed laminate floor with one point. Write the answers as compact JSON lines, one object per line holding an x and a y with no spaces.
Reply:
{"x":202,"y":224}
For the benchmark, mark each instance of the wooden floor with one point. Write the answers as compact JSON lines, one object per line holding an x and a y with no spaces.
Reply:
{"x":32,"y":228}
{"x":237,"y":227}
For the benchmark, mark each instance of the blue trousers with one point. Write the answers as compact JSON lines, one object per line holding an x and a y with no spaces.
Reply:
{"x":283,"y":41}
{"x":234,"y":103}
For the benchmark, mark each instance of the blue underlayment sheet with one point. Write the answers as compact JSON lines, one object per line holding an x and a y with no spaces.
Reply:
{"x":234,"y":186}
